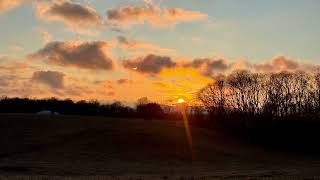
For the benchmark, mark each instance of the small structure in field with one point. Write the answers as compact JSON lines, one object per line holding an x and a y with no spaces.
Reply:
{"x":47,"y":113}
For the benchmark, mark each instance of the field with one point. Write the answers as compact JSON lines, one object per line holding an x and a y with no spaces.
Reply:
{"x":82,"y":146}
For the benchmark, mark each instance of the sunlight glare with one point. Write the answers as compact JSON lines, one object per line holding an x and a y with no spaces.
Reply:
{"x":181,"y":101}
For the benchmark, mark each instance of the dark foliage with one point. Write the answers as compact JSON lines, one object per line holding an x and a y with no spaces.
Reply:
{"x":282,"y":109}
{"x":65,"y":107}
{"x":144,"y":109}
{"x":149,"y":111}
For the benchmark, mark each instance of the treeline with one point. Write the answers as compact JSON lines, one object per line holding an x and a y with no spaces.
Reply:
{"x":143,"y":109}
{"x":279,"y":107}
{"x":273,"y":97}
{"x":88,"y":108}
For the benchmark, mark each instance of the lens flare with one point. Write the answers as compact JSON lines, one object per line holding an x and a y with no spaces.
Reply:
{"x":182,"y":107}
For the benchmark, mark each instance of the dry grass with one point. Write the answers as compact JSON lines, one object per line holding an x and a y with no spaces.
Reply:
{"x":84,"y":146}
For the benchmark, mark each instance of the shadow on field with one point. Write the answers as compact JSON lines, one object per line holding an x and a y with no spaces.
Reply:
{"x":79,"y":145}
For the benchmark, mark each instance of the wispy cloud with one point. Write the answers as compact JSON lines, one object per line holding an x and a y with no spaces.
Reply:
{"x":144,"y":47}
{"x":6,"y":5}
{"x":15,"y":48}
{"x":46,"y":37}
{"x":151,"y":14}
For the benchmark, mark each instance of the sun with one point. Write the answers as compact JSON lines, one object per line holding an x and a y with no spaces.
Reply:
{"x":180,"y":101}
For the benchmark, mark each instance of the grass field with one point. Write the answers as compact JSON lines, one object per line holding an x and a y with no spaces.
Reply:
{"x":77,"y":146}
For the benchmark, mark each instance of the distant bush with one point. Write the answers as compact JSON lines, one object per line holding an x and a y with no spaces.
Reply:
{"x":149,"y":111}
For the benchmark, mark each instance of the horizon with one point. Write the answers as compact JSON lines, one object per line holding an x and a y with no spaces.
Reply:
{"x":163,"y":50}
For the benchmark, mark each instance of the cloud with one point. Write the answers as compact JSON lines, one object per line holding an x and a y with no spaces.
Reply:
{"x":3,"y":82}
{"x":14,"y":67}
{"x":179,"y":82}
{"x":53,"y":79}
{"x":124,"y":81}
{"x":149,"y":64}
{"x":16,"y":48}
{"x":176,"y":15}
{"x":208,"y":66}
{"x":151,"y":14}
{"x":85,"y":55}
{"x":111,"y":93}
{"x":129,"y":15}
{"x":15,"y":78}
{"x":135,"y":45}
{"x":6,"y":5}
{"x":82,"y":19}
{"x":278,"y":63}
{"x":14,"y":86}
{"x":160,"y":78}
{"x":282,"y":62}
{"x":211,"y":67}
{"x":123,"y":40}
{"x":46,"y":37}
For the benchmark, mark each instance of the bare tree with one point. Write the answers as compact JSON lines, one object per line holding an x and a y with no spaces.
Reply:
{"x":213,"y":96}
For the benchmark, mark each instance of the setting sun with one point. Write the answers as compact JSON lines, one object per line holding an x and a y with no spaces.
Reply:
{"x":181,"y":101}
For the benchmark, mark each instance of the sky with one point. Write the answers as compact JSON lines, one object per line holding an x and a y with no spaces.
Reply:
{"x":161,"y":49}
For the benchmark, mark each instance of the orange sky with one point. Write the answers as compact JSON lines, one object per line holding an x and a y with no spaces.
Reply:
{"x":163,"y":50}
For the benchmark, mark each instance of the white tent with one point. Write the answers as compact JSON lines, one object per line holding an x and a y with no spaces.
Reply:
{"x":44,"y":113}
{"x":47,"y":113}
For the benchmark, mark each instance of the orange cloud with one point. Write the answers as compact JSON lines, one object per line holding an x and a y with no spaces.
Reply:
{"x":45,"y":35}
{"x":130,"y":44}
{"x":151,"y":64}
{"x":170,"y":80}
{"x":14,"y":80}
{"x":208,"y":66}
{"x":16,"y":48}
{"x":124,"y":81}
{"x":151,"y":14}
{"x":53,"y":79}
{"x":176,"y":15}
{"x":6,"y":5}
{"x":15,"y":67}
{"x":180,"y":82}
{"x":277,"y":64}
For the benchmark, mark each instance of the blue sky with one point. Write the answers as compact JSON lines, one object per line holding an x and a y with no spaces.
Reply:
{"x":251,"y":29}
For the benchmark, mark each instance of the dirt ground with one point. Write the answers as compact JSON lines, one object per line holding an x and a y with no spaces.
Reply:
{"x":95,"y":146}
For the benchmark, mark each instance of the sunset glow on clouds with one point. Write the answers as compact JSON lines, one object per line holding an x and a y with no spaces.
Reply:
{"x":6,"y":5}
{"x":78,"y":18}
{"x":163,"y":50}
{"x":153,"y":15}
